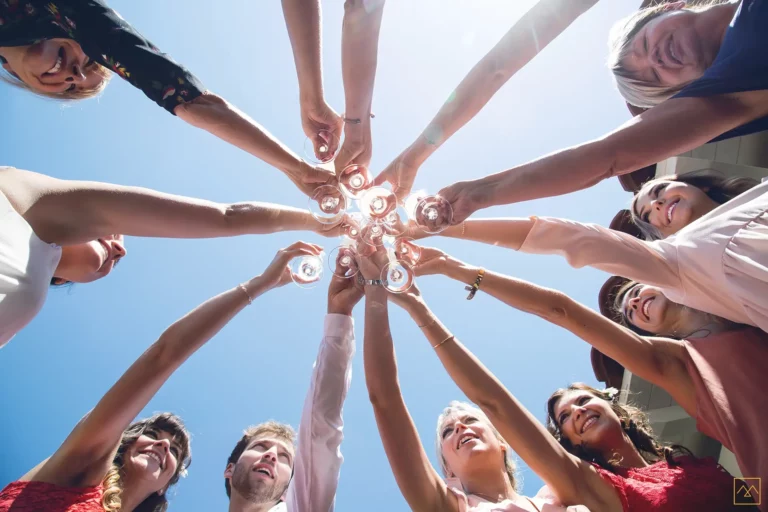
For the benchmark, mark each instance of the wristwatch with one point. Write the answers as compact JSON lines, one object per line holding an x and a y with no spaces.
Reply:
{"x":370,"y":282}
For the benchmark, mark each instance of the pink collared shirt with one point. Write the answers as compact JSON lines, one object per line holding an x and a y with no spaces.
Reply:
{"x":318,"y":456}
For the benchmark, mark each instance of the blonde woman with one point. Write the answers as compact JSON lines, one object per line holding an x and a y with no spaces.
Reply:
{"x":69,"y":50}
{"x":716,"y":55}
{"x":81,"y":475}
{"x":474,"y":454}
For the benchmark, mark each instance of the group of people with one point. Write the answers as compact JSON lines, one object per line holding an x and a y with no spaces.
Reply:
{"x":688,"y":311}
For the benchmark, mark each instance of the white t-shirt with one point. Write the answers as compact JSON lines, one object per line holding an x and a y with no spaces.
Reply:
{"x":27,"y":265}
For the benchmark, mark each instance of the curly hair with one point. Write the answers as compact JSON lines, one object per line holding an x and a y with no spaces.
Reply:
{"x":717,"y":186}
{"x":457,"y":408}
{"x":634,"y":422}
{"x":113,"y":489}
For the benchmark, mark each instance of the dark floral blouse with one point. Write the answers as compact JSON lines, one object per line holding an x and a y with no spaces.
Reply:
{"x":106,"y":38}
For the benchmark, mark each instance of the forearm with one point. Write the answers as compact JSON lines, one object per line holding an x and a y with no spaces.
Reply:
{"x":222,"y":119}
{"x":531,"y":34}
{"x":303,"y":20}
{"x":505,"y":232}
{"x":379,"y":351}
{"x":359,"y":50}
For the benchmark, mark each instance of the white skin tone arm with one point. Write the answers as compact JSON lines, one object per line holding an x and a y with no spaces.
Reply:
{"x":675,"y":126}
{"x":359,"y":51}
{"x":302,"y":18}
{"x":420,"y":484}
{"x":217,"y":116}
{"x":86,"y":455}
{"x":531,"y":34}
{"x":572,"y":480}
{"x":660,"y":361}
{"x":70,"y":212}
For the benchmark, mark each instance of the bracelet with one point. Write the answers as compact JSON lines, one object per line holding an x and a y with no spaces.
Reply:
{"x":245,"y":291}
{"x":433,"y":322}
{"x":463,"y":227}
{"x":444,"y":341}
{"x":472,"y":289}
{"x":356,"y":120}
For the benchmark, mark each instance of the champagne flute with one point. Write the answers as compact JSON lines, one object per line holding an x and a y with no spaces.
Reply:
{"x":326,"y":150}
{"x":354,"y":180}
{"x":307,"y":271}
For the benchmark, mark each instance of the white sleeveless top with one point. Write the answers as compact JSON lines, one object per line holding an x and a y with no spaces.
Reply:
{"x":27,"y":265}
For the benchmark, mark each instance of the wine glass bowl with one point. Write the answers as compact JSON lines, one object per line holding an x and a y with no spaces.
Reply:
{"x":326,"y":150}
{"x":397,"y":276}
{"x":307,"y":271}
{"x":373,"y":233}
{"x":433,"y":214}
{"x":343,"y":261}
{"x":407,"y":251}
{"x":327,"y":204}
{"x":377,"y":202}
{"x":354,"y":180}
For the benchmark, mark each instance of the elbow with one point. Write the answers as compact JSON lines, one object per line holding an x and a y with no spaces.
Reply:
{"x":556,"y":307}
{"x":383,"y":396}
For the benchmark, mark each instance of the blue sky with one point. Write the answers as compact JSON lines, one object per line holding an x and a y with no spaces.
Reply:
{"x":259,"y":366}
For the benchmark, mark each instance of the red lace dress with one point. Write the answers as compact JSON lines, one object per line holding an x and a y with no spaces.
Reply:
{"x":45,"y":497}
{"x":699,"y":485}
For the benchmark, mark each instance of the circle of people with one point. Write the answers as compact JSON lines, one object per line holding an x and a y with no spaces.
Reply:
{"x":687,"y":309}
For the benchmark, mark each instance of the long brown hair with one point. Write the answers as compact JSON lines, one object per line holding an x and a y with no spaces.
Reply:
{"x":113,"y":489}
{"x":717,"y":186}
{"x":633,"y":420}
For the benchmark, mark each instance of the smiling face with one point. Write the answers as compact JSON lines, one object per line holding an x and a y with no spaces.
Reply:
{"x":588,"y":421}
{"x":670,"y":51}
{"x":648,"y":309}
{"x":54,"y":66}
{"x":154,"y":457}
{"x":84,"y":263}
{"x":669,"y":206}
{"x":263,"y":471}
{"x":467,"y":442}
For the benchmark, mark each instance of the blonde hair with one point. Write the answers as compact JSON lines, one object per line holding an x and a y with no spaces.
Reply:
{"x":637,"y":92}
{"x":113,"y":489}
{"x":716,"y":185}
{"x":78,"y":94}
{"x":274,"y":429}
{"x":457,"y":408}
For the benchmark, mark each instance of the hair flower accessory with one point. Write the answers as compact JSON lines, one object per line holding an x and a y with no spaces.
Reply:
{"x":611,"y":392}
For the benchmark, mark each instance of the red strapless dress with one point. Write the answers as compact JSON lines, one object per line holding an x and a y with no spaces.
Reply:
{"x":45,"y":497}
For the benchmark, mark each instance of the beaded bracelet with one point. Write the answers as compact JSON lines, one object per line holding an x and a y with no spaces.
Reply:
{"x":472,"y":289}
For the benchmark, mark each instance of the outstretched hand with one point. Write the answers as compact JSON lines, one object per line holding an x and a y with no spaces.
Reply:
{"x":323,"y":127}
{"x":400,"y":174}
{"x":278,"y":273}
{"x":431,"y":261}
{"x":343,"y":292}
{"x":466,"y":197}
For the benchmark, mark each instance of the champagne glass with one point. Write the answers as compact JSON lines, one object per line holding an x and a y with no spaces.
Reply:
{"x":396,"y":221}
{"x":353,"y":226}
{"x":307,"y":271}
{"x":377,"y":202}
{"x":327,"y":204}
{"x":397,"y":276}
{"x":373,"y":234}
{"x":326,"y":151}
{"x":343,"y":261}
{"x":354,"y":180}
{"x":433,"y":214}
{"x":407,"y":251}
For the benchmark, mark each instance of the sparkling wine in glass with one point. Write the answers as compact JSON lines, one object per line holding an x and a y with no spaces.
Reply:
{"x":433,"y":214}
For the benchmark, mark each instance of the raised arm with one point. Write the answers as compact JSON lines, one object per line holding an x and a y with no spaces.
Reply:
{"x":318,"y":457}
{"x":359,"y":52}
{"x":91,"y":446}
{"x":675,"y":126}
{"x":660,"y":361}
{"x":572,"y":480}
{"x":581,"y":244}
{"x":302,"y":18}
{"x":420,"y":484}
{"x":531,"y":34}
{"x":69,"y":212}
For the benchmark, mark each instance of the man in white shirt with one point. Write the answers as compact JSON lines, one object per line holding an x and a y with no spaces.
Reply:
{"x":267,"y":470}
